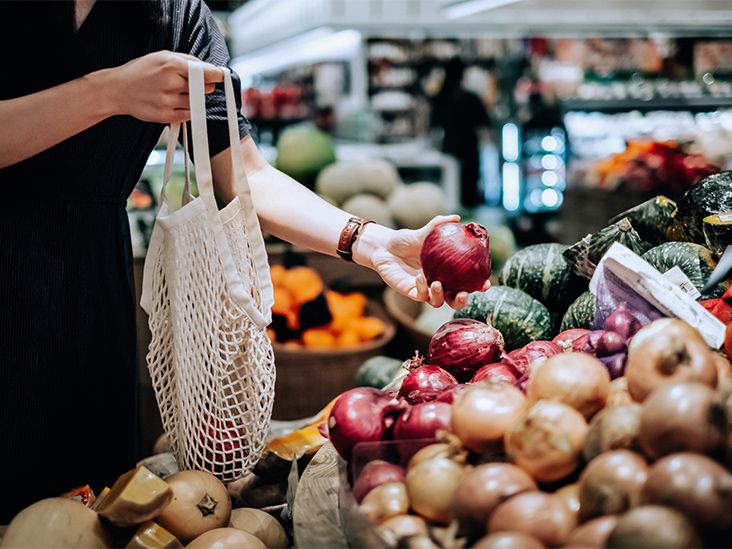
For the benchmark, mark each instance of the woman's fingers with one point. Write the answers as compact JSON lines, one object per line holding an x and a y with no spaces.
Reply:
{"x":459,"y":301}
{"x":486,"y":286}
{"x":437,"y":294}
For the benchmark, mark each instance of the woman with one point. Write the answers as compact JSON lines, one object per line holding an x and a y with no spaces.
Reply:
{"x":460,"y":113}
{"x":82,"y":103}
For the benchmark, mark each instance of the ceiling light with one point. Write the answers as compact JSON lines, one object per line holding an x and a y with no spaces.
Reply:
{"x":465,"y":8}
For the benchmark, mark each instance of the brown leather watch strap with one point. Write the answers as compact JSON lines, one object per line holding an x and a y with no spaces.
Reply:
{"x":349,"y":234}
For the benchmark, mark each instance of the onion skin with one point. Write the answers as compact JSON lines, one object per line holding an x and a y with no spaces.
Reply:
{"x":457,"y":256}
{"x":623,"y":322}
{"x":694,"y":485}
{"x":567,"y":337}
{"x":611,"y":483}
{"x":438,"y":449}
{"x":592,"y":534}
{"x":376,"y":473}
{"x":482,"y":414}
{"x":402,"y":526}
{"x":463,"y":345}
{"x":613,"y":428}
{"x":385,"y":501}
{"x":362,"y":414}
{"x":431,"y":486}
{"x":667,"y":351}
{"x":531,"y":355}
{"x":576,"y":379}
{"x":496,"y":372}
{"x":542,"y":516}
{"x":653,"y":526}
{"x":423,"y":420}
{"x":547,"y":440}
{"x":569,"y":495}
{"x":425,"y":383}
{"x":619,"y":393}
{"x":682,"y":417}
{"x":508,"y":540}
{"x":449,"y":395}
{"x":482,"y":489}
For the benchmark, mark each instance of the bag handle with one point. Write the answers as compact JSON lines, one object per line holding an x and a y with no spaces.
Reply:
{"x":204,"y":179}
{"x":254,"y":231}
{"x":173,"y":132}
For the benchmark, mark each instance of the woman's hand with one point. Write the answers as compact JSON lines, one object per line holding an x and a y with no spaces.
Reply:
{"x":154,"y":88}
{"x":395,"y":256}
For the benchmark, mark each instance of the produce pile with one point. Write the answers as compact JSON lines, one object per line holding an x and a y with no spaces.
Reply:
{"x":652,"y":166}
{"x":547,"y":446}
{"x":144,"y":510}
{"x":373,"y":189}
{"x":306,"y":314}
{"x":535,"y":422}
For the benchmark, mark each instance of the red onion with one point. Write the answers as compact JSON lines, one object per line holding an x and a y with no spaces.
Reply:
{"x":623,"y":322}
{"x":457,"y":256}
{"x":498,"y":371}
{"x":425,"y":383}
{"x":375,"y":473}
{"x":362,"y":414}
{"x":615,"y":364}
{"x":567,"y":337}
{"x":422,"y":420}
{"x":449,"y":395}
{"x":600,"y":343}
{"x":463,"y":345}
{"x":535,"y":352}
{"x":417,"y":427}
{"x":523,"y":382}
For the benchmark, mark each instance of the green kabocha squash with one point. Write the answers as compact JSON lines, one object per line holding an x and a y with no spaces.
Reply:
{"x":584,"y":256}
{"x":654,"y":219}
{"x":580,"y":314}
{"x":718,"y":232}
{"x":541,"y":271}
{"x":694,"y":260}
{"x":518,"y":316}
{"x":711,"y":195}
{"x":377,"y":371}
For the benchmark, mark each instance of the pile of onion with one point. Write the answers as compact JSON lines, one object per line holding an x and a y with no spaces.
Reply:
{"x":463,"y":345}
{"x":623,"y":322}
{"x":525,"y":359}
{"x":457,"y":256}
{"x":375,"y":473}
{"x":611,"y":483}
{"x":496,"y":372}
{"x":422,"y":421}
{"x":431,"y":483}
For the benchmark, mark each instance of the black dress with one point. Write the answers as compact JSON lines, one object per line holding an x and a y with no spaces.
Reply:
{"x":67,"y":301}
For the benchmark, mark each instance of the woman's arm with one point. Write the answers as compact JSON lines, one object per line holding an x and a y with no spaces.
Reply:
{"x":152,"y":88}
{"x":293,"y":213}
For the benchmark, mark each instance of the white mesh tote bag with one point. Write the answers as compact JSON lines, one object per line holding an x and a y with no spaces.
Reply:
{"x":207,"y":290}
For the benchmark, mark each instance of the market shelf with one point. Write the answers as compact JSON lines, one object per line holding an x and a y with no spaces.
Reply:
{"x":697,"y":104}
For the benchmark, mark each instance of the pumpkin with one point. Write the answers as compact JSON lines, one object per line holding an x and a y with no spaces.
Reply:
{"x":260,"y":524}
{"x":520,"y":318}
{"x":136,"y":497}
{"x":226,"y":538}
{"x":58,"y":523}
{"x":377,"y":371}
{"x":153,"y":536}
{"x":694,"y":260}
{"x":541,"y":271}
{"x":200,"y":503}
{"x":712,"y":195}
{"x":580,"y":314}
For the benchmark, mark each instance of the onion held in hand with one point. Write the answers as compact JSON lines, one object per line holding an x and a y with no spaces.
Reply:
{"x":457,"y":256}
{"x":463,"y":345}
{"x":482,"y":414}
{"x":361,"y":415}
{"x":425,"y":383}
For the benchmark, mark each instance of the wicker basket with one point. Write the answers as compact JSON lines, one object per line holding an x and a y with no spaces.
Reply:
{"x":307,"y":379}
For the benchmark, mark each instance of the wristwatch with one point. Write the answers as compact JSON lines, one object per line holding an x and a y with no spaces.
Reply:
{"x":349,"y":234}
